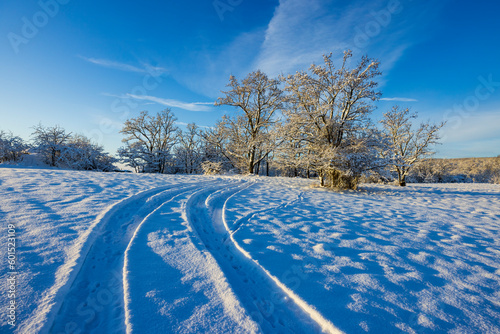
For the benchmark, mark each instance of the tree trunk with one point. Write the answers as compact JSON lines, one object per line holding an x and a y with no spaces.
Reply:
{"x":251,"y":159}
{"x":402,"y":179}
{"x":53,"y":158}
{"x":321,"y":179}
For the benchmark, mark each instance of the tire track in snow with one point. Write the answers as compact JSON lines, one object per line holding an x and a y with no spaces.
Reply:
{"x":172,"y":283}
{"x":92,"y":301}
{"x":271,"y":304}
{"x":125,"y":267}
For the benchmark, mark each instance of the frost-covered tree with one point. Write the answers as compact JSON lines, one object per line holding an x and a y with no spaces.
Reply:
{"x":293,"y":157}
{"x":327,"y":119}
{"x":149,"y":141}
{"x":131,"y":155}
{"x":12,"y":148}
{"x":63,"y":149}
{"x":249,"y":136}
{"x":188,"y":152}
{"x":211,"y":168}
{"x":48,"y":141}
{"x":213,"y":147}
{"x":81,"y":154}
{"x":408,"y":144}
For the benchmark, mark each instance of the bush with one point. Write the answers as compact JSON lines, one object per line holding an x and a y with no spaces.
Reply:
{"x":81,"y":154}
{"x":48,"y":141}
{"x":12,"y":148}
{"x":211,"y":168}
{"x":334,"y":178}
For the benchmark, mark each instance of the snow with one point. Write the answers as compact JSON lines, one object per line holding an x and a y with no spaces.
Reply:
{"x":121,"y":252}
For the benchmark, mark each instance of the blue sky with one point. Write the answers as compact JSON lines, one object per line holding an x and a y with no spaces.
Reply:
{"x":89,"y":65}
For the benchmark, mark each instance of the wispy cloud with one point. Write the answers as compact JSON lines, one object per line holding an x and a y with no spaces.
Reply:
{"x":300,"y":32}
{"x":145,"y":69}
{"x":398,"y":99}
{"x":186,"y":124}
{"x":190,"y":106}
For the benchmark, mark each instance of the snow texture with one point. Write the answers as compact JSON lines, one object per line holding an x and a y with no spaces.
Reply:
{"x":137,"y":253}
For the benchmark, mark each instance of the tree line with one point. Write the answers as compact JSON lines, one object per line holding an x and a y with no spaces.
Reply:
{"x":311,"y":123}
{"x":314,"y":123}
{"x":57,"y":148}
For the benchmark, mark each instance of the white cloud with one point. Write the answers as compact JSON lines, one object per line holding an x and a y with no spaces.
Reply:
{"x":186,"y":124}
{"x":398,"y":99}
{"x":297,"y":35}
{"x":190,"y":106}
{"x":145,"y":69}
{"x":302,"y":31}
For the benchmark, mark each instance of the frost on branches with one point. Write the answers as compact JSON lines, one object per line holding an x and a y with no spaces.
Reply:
{"x":81,"y":154}
{"x":49,"y":141}
{"x":149,"y":142}
{"x":188,"y":153}
{"x":327,"y":124}
{"x":250,"y":136}
{"x":407,"y":144}
{"x":12,"y":148}
{"x":62,"y":149}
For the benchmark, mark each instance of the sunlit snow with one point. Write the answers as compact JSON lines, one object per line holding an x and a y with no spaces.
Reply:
{"x":121,"y":252}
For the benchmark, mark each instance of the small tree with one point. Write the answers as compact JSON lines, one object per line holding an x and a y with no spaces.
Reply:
{"x":131,"y":155}
{"x":211,"y":168}
{"x":49,"y":141}
{"x":12,"y":148}
{"x":408,"y":144}
{"x":81,"y":154}
{"x":213,"y":148}
{"x":249,"y":136}
{"x":188,"y":152}
{"x":149,"y":141}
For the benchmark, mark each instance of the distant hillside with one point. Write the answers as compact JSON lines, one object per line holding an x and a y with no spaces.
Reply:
{"x":478,"y":170}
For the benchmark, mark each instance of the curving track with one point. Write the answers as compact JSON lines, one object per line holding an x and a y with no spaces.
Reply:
{"x":166,"y":261}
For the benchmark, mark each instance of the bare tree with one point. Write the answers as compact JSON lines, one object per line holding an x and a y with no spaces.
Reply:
{"x":188,"y":152}
{"x":49,"y":141}
{"x":132,"y":155}
{"x":214,"y":153}
{"x":408,"y":145}
{"x":149,"y":140}
{"x":249,"y":135}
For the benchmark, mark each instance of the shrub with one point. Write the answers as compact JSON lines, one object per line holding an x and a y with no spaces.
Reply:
{"x":12,"y":148}
{"x":211,"y":168}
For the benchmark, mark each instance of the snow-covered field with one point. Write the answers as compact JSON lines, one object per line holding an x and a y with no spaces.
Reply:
{"x":115,"y":253}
